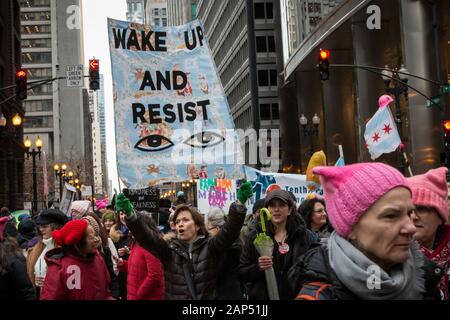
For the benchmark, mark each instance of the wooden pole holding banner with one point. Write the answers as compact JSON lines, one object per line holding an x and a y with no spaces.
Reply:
{"x":407,"y":164}
{"x":341,"y":151}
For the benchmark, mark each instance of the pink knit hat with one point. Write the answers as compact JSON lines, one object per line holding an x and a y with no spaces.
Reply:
{"x":350,"y":190}
{"x":430,"y":190}
{"x":3,"y":222}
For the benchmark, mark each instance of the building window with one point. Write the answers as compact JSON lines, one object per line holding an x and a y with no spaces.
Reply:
{"x":35,"y":16}
{"x":259,"y":11}
{"x":38,"y":105}
{"x":269,"y":10}
{"x":261,"y":45}
{"x":38,"y":122}
{"x":36,"y":29}
{"x":267,"y":78}
{"x":37,"y":57}
{"x":263,"y":78}
{"x":164,"y":12}
{"x":156,"y":11}
{"x":271,"y":42}
{"x":275,"y":112}
{"x":34,"y":3}
{"x":37,"y":43}
{"x":164,"y":22}
{"x":264,"y":111}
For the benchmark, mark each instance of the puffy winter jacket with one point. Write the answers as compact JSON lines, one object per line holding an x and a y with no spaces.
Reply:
{"x":201,"y":259}
{"x":70,"y":277}
{"x":313,"y":278}
{"x":145,"y":279}
{"x":14,"y":282}
{"x":299,"y":240}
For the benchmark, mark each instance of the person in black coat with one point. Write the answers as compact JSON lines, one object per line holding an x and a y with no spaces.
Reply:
{"x":228,"y":284}
{"x":14,"y":282}
{"x":291,"y":240}
{"x":191,"y":261}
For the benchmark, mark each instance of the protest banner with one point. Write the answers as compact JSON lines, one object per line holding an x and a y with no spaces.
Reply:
{"x":172,"y":118}
{"x":264,"y":182}
{"x":67,"y":197}
{"x":219,"y":193}
{"x":143,"y":199}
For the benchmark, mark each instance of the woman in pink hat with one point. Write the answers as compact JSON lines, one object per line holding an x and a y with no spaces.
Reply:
{"x":429,"y":195}
{"x":372,"y":253}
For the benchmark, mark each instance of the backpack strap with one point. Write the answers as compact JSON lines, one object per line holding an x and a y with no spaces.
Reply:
{"x":314,"y":291}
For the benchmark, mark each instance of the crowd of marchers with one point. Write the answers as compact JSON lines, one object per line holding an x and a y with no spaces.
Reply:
{"x":374,"y":234}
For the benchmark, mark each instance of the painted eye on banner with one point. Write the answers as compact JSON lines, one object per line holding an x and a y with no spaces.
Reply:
{"x":153,"y":143}
{"x":204,"y":140}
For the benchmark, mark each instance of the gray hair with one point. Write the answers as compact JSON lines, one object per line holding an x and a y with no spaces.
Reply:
{"x":216,"y":217}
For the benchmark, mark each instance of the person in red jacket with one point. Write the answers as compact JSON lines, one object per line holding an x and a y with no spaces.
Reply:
{"x":75,"y":270}
{"x":145,"y":280}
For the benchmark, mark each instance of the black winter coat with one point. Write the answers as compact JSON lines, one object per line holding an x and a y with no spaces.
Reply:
{"x":202,"y":258}
{"x":228,"y":284}
{"x":314,"y":266}
{"x":14,"y":283}
{"x":299,"y":240}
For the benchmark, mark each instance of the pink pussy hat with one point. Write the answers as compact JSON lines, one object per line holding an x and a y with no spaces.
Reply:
{"x":430,"y":190}
{"x":350,"y":190}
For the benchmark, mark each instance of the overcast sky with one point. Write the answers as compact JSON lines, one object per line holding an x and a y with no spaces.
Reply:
{"x":95,"y":13}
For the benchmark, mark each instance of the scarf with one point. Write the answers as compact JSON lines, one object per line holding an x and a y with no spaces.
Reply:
{"x":369,"y":281}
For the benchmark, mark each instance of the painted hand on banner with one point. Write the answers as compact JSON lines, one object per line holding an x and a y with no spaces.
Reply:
{"x":245,"y":192}
{"x":124,"y":204}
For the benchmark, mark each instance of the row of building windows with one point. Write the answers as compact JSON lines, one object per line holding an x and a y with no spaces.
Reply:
{"x":239,"y":91}
{"x":38,"y":122}
{"x":212,"y":14}
{"x":34,"y":3}
{"x":44,"y":89}
{"x":236,"y":63}
{"x":160,"y":22}
{"x":37,"y":57}
{"x":37,"y":43}
{"x":35,"y":16}
{"x":36,"y":73}
{"x":36,"y":29}
{"x":38,"y":105}
{"x":159,"y":12}
{"x":244,"y":119}
{"x":224,"y":17}
{"x":231,"y":38}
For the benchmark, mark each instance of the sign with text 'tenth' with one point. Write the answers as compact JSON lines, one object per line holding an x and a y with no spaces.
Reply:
{"x":143,"y":199}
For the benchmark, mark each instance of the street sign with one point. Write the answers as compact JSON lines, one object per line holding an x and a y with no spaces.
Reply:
{"x":143,"y":199}
{"x":446,"y":88}
{"x":434,"y":101}
{"x":74,"y":76}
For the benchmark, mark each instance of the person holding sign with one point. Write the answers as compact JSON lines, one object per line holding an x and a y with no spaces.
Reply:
{"x":192,"y":268}
{"x":291,"y":239}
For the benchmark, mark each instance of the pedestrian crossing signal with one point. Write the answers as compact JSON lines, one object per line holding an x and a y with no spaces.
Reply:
{"x":94,"y":74}
{"x":21,"y":84}
{"x":324,"y":64}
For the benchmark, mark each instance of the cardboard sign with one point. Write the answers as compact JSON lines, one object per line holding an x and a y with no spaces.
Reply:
{"x":219,"y":193}
{"x":143,"y":199}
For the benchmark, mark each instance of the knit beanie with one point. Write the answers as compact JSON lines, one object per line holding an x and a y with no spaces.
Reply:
{"x":71,"y":233}
{"x":93,"y":224}
{"x":109,"y":215}
{"x":430,"y":190}
{"x":83,"y":207}
{"x":350,"y":190}
{"x":3,"y":222}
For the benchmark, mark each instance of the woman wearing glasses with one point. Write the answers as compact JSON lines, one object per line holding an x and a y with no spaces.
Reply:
{"x":315,"y":215}
{"x":429,"y":194}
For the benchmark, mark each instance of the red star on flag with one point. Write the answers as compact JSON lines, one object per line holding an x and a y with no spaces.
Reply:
{"x":376,"y":137}
{"x":387,"y":128}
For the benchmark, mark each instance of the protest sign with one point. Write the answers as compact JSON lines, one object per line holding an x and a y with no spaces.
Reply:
{"x":219,"y":193}
{"x":172,"y":118}
{"x":143,"y":199}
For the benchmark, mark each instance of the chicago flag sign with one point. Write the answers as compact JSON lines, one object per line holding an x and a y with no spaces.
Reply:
{"x":381,"y":133}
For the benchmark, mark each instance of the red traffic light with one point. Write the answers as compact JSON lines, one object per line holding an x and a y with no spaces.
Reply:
{"x":324,"y":54}
{"x":93,"y":64}
{"x":447,"y":125}
{"x":21,"y":73}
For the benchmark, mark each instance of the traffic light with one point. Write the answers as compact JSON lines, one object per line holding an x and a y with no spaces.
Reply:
{"x":21,"y":84}
{"x":445,"y":155}
{"x":324,"y":64}
{"x":94,"y":74}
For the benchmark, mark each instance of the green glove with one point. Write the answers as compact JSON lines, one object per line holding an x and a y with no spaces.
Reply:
{"x":245,"y":192}
{"x":124,"y":204}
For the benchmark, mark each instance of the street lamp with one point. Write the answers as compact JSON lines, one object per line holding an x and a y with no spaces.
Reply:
{"x":310,"y":131}
{"x":33,"y":153}
{"x":60,"y":171}
{"x":397,"y":89}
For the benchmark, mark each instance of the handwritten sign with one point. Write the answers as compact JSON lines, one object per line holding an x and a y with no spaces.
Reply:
{"x":220,"y":193}
{"x":143,"y":199}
